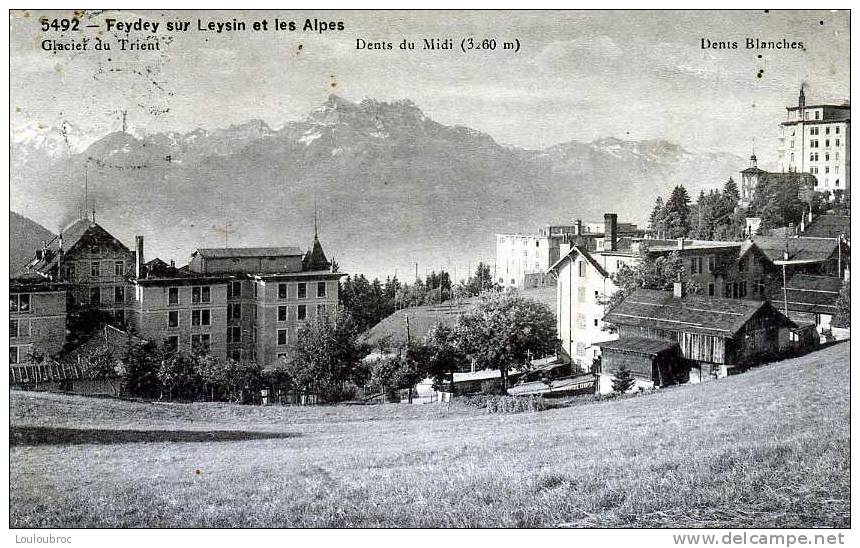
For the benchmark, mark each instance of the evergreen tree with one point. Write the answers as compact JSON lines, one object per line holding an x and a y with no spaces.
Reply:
{"x":677,"y":216}
{"x":730,"y":191}
{"x":623,"y":380}
{"x":656,"y":224}
{"x":842,"y":318}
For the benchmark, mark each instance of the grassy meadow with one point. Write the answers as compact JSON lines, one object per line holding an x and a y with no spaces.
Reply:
{"x":768,"y":448}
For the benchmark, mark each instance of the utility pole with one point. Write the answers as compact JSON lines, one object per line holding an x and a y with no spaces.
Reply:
{"x":228,"y":228}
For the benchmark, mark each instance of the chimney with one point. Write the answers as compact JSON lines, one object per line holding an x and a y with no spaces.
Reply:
{"x":138,"y":256}
{"x":610,"y":231}
{"x":678,"y":290}
{"x":578,"y":227}
{"x":172,"y":263}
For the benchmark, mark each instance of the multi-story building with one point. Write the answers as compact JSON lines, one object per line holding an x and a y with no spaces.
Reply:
{"x":95,"y":265}
{"x":37,"y":318}
{"x":523,"y":260}
{"x":238,"y":303}
{"x":816,"y":139}
{"x":584,"y":281}
{"x":753,"y":176}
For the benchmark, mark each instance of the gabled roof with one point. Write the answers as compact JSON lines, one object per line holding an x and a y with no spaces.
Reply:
{"x":46,"y":259}
{"x":829,"y":226}
{"x":800,"y":248}
{"x":693,"y":313}
{"x":585,"y":255}
{"x":808,"y":293}
{"x":244,"y":252}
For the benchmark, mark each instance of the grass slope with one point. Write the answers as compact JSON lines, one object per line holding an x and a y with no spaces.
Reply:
{"x":769,"y":448}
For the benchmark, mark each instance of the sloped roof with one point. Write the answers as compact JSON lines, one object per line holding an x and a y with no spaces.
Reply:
{"x":829,"y":226}
{"x":585,"y":254}
{"x":808,"y":293}
{"x":240,"y":252}
{"x":638,"y":345}
{"x":315,"y":259}
{"x":46,"y":259}
{"x":693,"y":313}
{"x":799,"y":248}
{"x":421,"y":319}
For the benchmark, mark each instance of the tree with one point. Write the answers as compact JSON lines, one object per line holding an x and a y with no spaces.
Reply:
{"x":99,"y":363}
{"x":142,"y":361}
{"x":657,"y":221}
{"x":677,"y":213}
{"x":178,"y":375}
{"x":842,"y":318}
{"x":623,"y":380}
{"x":440,"y":356}
{"x":327,"y":354}
{"x":651,"y":271}
{"x":504,"y":331}
{"x":730,"y":191}
{"x":777,"y":202}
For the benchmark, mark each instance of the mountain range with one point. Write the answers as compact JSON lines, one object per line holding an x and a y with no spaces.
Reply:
{"x":393,"y":187}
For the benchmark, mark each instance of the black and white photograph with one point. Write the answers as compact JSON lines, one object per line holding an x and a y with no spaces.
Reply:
{"x":430,"y":269}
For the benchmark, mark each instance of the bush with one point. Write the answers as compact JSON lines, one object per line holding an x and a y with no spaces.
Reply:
{"x":491,"y":388}
{"x":623,"y":380}
{"x":505,"y":404}
{"x":345,"y":392}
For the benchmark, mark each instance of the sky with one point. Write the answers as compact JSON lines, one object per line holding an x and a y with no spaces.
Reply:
{"x":579,"y":75}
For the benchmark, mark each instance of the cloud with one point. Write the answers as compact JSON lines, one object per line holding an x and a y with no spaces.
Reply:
{"x":579,"y":52}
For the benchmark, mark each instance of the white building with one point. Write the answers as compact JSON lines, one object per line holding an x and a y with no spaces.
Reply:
{"x":816,"y":139}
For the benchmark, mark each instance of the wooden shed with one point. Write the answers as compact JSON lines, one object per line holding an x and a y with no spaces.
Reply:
{"x":658,"y":361}
{"x":708,"y":330}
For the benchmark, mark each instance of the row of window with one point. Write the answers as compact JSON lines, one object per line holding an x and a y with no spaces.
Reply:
{"x":813,"y":143}
{"x":96,"y":295}
{"x":203,"y":316}
{"x":200,"y":342}
{"x":20,"y":303}
{"x":815,"y":130}
{"x":96,"y":268}
{"x":302,"y":290}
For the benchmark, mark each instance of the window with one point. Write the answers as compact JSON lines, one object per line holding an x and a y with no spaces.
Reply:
{"x":827,"y":130}
{"x":201,"y":342}
{"x":813,"y":143}
{"x":303,"y":290}
{"x":837,"y":142}
{"x":234,"y":311}
{"x":320,"y":289}
{"x":581,"y":321}
{"x":595,"y":322}
{"x":826,"y":169}
{"x":826,"y":143}
{"x":836,"y":130}
{"x":68,"y":271}
{"x":234,"y":334}
{"x":95,"y":296}
{"x":19,"y":302}
{"x":817,"y":114}
{"x":321,"y":310}
{"x":234,"y":290}
{"x":813,"y":156}
{"x":827,"y":157}
{"x":119,"y":294}
{"x":14,"y":355}
{"x":813,"y":131}
{"x":728,"y":292}
{"x":282,"y":337}
{"x":282,"y":313}
{"x":201,"y":294}
{"x":171,"y":344}
{"x":742,"y":290}
{"x":742,"y":265}
{"x":696,"y":265}
{"x":581,"y":269}
{"x":758,"y":287}
{"x":119,"y":316}
{"x":13,"y":329}
{"x":118,"y":268}
{"x":302,"y":312}
{"x":95,"y":269}
{"x":710,"y":290}
{"x":712,"y":264}
{"x":282,"y":291}
{"x":173,"y":318}
{"x":173,"y":295}
{"x":201,"y":317}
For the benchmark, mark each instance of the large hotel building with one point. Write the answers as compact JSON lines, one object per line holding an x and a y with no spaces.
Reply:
{"x":816,"y":139}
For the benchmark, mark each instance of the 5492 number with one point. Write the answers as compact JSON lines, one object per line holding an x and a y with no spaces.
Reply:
{"x":60,"y":24}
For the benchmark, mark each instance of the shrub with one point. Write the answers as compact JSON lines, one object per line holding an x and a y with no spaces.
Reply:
{"x":623,"y":380}
{"x":505,"y":404}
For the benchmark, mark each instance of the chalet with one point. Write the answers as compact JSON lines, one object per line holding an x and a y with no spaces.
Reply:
{"x":807,"y":255}
{"x":37,"y":318}
{"x":810,"y":299}
{"x":738,"y":270}
{"x":712,"y":334}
